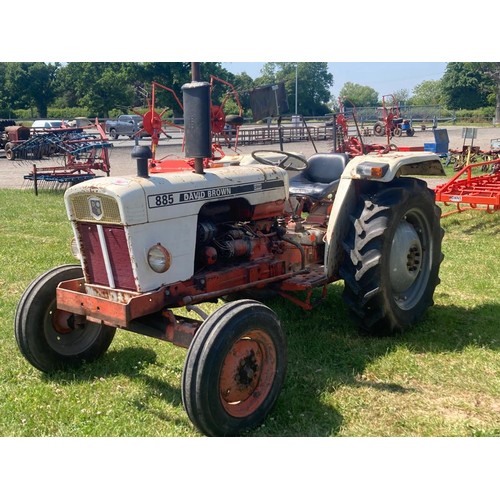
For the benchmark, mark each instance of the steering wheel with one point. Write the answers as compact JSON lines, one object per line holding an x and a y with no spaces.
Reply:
{"x":291,"y":165}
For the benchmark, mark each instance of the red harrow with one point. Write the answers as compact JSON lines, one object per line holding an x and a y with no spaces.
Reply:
{"x":472,"y":192}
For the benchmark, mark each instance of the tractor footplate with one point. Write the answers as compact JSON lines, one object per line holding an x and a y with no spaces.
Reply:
{"x":306,"y":282}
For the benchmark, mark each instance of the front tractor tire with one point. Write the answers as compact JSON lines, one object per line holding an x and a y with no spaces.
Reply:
{"x":392,"y":256}
{"x":234,"y":369}
{"x":52,"y":339}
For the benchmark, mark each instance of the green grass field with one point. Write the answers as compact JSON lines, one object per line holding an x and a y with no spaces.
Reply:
{"x":442,"y":378}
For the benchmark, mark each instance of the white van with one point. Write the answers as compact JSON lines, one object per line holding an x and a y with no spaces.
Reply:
{"x":46,"y":123}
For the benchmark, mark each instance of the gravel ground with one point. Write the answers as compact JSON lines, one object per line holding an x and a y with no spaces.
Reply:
{"x":12,"y":172}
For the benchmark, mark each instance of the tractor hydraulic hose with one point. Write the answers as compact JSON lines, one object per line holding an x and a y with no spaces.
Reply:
{"x":301,"y":250}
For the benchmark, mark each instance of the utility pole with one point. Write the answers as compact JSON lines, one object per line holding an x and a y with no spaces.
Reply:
{"x":296,"y":84}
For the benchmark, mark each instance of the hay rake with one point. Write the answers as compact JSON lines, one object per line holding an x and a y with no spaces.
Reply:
{"x":81,"y":154}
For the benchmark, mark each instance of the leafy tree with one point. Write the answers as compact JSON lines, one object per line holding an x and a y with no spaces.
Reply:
{"x":492,"y":70}
{"x":243,"y":83}
{"x":98,"y":86}
{"x":401,"y":96}
{"x":171,"y":75}
{"x":359,"y":95}
{"x":313,"y":84}
{"x":29,"y":84}
{"x":220,"y":92}
{"x":427,"y":93}
{"x":4,"y":97}
{"x":465,"y":86}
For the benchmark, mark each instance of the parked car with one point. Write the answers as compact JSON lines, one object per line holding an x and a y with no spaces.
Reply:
{"x":80,"y":121}
{"x":46,"y":123}
{"x":125,"y":125}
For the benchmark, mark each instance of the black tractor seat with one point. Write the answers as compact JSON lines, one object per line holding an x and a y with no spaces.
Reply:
{"x":321,"y":176}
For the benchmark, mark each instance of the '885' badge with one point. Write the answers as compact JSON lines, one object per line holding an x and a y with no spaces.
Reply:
{"x":95,"y":206}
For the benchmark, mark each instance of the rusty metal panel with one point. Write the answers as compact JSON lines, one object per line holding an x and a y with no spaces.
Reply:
{"x":71,"y":296}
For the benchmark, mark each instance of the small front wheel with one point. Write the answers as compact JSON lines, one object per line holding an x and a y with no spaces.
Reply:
{"x":234,"y":369}
{"x":52,"y":339}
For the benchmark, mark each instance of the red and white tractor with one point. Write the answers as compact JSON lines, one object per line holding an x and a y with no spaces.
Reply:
{"x":149,"y":244}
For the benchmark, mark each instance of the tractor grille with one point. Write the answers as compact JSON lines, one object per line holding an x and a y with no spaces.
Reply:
{"x":81,"y":209}
{"x":106,"y":257}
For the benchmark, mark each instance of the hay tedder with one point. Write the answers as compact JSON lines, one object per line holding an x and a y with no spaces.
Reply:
{"x":152,"y":246}
{"x":345,"y":142}
{"x":223,"y":127}
{"x":391,"y":122}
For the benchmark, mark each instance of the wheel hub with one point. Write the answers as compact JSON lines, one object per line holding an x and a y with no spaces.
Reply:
{"x":241,"y":372}
{"x":247,"y":370}
{"x":406,"y":257}
{"x":62,"y":321}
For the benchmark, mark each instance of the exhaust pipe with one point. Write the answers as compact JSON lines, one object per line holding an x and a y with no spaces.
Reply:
{"x":142,"y":155}
{"x":196,"y":103}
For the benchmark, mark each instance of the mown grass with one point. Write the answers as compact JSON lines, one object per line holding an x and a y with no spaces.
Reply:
{"x":441,"y":378}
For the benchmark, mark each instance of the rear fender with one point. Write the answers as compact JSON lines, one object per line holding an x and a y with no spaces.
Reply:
{"x":359,"y":173}
{"x":384,"y":168}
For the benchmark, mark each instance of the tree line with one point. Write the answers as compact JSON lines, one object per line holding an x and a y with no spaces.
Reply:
{"x":102,"y":88}
{"x":463,"y":85}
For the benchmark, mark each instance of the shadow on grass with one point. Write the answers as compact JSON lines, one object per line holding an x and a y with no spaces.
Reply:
{"x":325,"y":354}
{"x":129,"y":362}
{"x":486,"y":226}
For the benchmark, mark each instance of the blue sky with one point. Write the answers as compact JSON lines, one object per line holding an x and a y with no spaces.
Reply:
{"x":384,"y":77}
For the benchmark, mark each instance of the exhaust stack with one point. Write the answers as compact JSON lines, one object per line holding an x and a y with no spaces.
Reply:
{"x":142,"y":155}
{"x":197,"y":131}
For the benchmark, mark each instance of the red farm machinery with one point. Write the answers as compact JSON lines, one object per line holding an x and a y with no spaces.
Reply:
{"x":223,"y":127}
{"x":391,"y":123}
{"x":475,"y":184}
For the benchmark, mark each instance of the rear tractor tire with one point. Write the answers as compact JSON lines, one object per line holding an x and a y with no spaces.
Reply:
{"x":52,"y":339}
{"x":392,"y":256}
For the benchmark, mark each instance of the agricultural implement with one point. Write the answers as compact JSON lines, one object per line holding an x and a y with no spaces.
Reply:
{"x":222,"y":127}
{"x":471,"y":154}
{"x":152,"y":244}
{"x":476,"y":183}
{"x":81,"y":154}
{"x":10,"y":135}
{"x":468,"y":191}
{"x":391,"y":122}
{"x":345,"y":142}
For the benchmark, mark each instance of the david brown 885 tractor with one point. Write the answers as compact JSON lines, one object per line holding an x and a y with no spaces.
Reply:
{"x":152,"y":243}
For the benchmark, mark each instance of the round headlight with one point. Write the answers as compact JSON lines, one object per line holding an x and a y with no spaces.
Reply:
{"x":158,"y":259}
